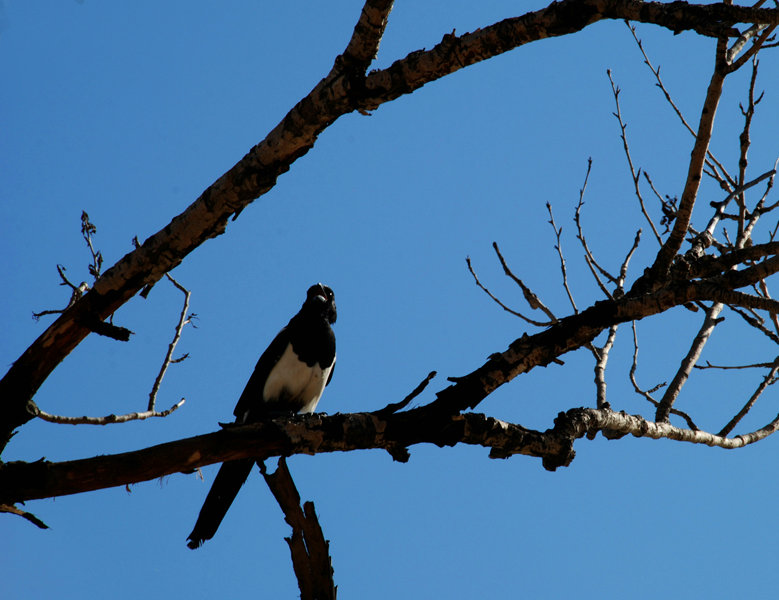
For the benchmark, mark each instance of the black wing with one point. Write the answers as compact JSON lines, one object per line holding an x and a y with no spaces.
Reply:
{"x":332,"y":370}
{"x":251,"y":405}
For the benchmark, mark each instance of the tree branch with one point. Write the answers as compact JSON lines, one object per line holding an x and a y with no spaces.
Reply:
{"x":316,"y":433}
{"x":108,"y":419}
{"x":309,"y":549}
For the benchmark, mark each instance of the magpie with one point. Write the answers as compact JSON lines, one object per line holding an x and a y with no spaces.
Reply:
{"x":290,"y":377}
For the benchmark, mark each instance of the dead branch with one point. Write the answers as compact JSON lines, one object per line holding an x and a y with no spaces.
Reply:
{"x":309,"y":549}
{"x":753,"y":50}
{"x":634,"y":175}
{"x":558,"y":246}
{"x":184,"y":319}
{"x":674,"y":241}
{"x":533,"y":301}
{"x":394,"y":407}
{"x":601,"y":359}
{"x":6,"y":508}
{"x":88,"y":229}
{"x":589,"y":258}
{"x":498,"y":301}
{"x":718,"y":171}
{"x":710,"y":321}
{"x":108,"y":419}
{"x":767,"y":380}
{"x":316,"y":433}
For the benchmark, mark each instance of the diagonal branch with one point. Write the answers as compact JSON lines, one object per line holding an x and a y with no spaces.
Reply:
{"x":697,"y":160}
{"x":672,"y":392}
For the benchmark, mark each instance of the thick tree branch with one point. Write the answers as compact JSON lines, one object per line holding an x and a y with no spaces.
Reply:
{"x":311,"y":434}
{"x":575,"y":331}
{"x":303,"y":434}
{"x":309,"y":549}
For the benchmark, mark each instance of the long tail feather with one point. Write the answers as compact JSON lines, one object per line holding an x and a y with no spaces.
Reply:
{"x":228,"y":482}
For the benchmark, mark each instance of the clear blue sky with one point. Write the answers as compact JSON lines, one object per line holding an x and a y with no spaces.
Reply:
{"x":128,"y":110}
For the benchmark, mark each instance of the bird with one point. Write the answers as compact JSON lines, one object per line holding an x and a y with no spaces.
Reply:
{"x":289,"y":378}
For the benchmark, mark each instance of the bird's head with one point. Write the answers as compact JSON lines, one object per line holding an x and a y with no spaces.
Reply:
{"x":320,"y":299}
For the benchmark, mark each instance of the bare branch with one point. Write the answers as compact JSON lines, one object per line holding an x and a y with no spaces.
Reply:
{"x":394,"y":407}
{"x":647,"y":394}
{"x":635,"y":176}
{"x":710,"y":321}
{"x":108,"y":419}
{"x":697,"y":159}
{"x":753,"y":50}
{"x":558,"y":247}
{"x":498,"y":302}
{"x":584,"y":420}
{"x":310,"y":434}
{"x":7,"y":508}
{"x":756,"y":323}
{"x":767,"y":380}
{"x":533,"y":301}
{"x":601,"y":358}
{"x":87,"y":231}
{"x":724,"y":179}
{"x":309,"y":549}
{"x":183,"y":321}
{"x":744,"y":145}
{"x":77,"y":292}
{"x":709,"y":365}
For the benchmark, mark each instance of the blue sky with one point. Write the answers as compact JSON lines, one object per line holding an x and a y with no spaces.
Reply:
{"x":129,"y":110}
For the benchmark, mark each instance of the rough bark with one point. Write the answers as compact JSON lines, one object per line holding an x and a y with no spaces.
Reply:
{"x":311,"y":434}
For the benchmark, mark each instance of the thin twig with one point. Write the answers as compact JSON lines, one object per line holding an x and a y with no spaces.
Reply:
{"x":183,"y":321}
{"x":709,"y":365}
{"x":635,"y":176}
{"x":647,"y":394}
{"x":744,"y":144}
{"x":667,"y":204}
{"x":108,"y":419}
{"x":76,"y":292}
{"x":725,"y":180}
{"x":499,"y":303}
{"x":533,"y":301}
{"x":767,"y":380}
{"x":754,"y":48}
{"x":87,"y":231}
{"x":8,"y":508}
{"x":558,"y":247}
{"x":589,"y":258}
{"x":394,"y":407}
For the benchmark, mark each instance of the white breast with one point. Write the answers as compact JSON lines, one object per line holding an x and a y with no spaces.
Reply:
{"x":294,"y":385}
